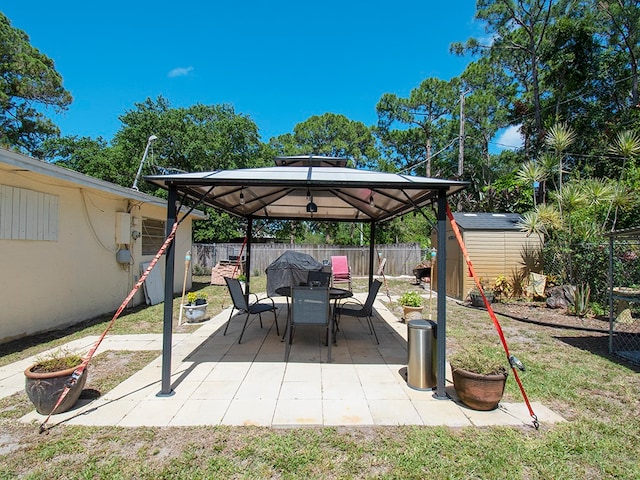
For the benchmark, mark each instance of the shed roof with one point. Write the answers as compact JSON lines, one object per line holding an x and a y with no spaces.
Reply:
{"x":488,"y":221}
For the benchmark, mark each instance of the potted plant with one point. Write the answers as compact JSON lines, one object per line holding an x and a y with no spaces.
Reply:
{"x":479,"y":376}
{"x":196,"y":307}
{"x":411,"y":302}
{"x":476,"y":297}
{"x":46,"y":379}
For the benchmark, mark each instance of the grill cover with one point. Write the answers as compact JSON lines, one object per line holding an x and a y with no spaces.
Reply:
{"x":289,"y":269}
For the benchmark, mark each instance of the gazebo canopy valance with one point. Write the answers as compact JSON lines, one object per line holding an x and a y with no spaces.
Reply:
{"x":315,"y":188}
{"x":285,"y":191}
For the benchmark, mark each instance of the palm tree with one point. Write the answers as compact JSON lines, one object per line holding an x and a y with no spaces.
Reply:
{"x":532,"y":173}
{"x":560,"y":137}
{"x":626,"y":145}
{"x":620,"y":198}
{"x":541,"y":221}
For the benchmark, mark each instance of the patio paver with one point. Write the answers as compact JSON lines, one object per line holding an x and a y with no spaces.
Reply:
{"x":217,"y":381}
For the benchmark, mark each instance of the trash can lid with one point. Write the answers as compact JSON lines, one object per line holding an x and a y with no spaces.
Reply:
{"x":421,"y":324}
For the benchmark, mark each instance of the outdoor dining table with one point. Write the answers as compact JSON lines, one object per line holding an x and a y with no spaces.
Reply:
{"x":335,"y":294}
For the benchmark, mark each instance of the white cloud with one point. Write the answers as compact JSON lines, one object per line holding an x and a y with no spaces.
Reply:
{"x":510,"y":139}
{"x":180,"y":72}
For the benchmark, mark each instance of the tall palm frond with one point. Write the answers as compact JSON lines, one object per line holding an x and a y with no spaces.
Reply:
{"x":560,"y":137}
{"x":626,"y":144}
{"x":620,"y":198}
{"x":530,"y":172}
{"x":598,"y":190}
{"x":571,"y":197}
{"x":532,"y":224}
{"x":540,"y":221}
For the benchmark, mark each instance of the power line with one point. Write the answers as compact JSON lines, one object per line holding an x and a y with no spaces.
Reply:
{"x":455,"y":139}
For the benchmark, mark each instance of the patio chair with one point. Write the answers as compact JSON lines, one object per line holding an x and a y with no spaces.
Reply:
{"x":241,"y":303}
{"x":340,"y":271}
{"x":309,"y":306}
{"x":323,"y":278}
{"x":360,"y":310}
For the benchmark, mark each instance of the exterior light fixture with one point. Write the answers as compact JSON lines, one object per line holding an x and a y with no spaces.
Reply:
{"x":312,"y":207}
{"x":144,"y":157}
{"x":371,"y":201}
{"x":241,"y":198}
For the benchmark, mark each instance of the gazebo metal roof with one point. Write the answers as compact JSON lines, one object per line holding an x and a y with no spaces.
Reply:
{"x":309,"y":187}
{"x":284,"y":192}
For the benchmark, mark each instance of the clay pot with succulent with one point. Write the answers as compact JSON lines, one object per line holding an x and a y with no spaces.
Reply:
{"x":46,"y":379}
{"x":479,"y":376}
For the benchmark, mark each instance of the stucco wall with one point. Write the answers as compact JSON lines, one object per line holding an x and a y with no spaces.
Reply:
{"x":47,"y":285}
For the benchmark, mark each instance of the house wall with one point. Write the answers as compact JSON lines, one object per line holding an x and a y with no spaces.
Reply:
{"x":50,"y":284}
{"x":492,"y":253}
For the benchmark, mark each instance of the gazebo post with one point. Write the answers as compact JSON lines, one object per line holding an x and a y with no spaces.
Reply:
{"x":167,"y":325}
{"x":442,"y":297}
{"x":248,"y":272}
{"x":372,"y":247}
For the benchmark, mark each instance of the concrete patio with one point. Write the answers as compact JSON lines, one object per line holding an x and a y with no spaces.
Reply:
{"x":217,"y":381}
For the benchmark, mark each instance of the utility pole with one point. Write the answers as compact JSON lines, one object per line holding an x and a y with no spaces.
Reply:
{"x":461,"y":139}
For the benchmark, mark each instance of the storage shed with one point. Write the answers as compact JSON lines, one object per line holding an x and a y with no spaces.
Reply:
{"x":495,"y":244}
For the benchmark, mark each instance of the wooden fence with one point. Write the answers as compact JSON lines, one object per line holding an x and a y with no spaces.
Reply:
{"x":401,"y":257}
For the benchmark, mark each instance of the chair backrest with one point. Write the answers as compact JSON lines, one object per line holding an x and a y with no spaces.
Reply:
{"x":237,"y":295}
{"x":309,"y":305}
{"x":340,"y":265}
{"x":373,"y":291}
{"x":323,"y":278}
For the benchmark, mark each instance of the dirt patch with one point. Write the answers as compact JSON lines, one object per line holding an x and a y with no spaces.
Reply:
{"x":538,"y":312}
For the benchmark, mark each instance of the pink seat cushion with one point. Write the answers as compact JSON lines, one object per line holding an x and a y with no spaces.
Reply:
{"x":340,"y":266}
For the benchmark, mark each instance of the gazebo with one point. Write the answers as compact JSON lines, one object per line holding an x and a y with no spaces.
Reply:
{"x":308,"y":187}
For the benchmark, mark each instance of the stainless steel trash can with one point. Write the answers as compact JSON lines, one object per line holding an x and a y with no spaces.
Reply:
{"x":421,"y":354}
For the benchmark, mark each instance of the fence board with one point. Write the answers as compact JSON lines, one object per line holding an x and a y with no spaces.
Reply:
{"x":401,"y":257}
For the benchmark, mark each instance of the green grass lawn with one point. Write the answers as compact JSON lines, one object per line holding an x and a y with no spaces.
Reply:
{"x":568,"y":371}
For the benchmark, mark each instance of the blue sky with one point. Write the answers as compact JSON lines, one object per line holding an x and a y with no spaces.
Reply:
{"x":278,"y":62}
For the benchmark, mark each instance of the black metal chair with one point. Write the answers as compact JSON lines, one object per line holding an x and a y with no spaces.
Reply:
{"x":309,"y":306}
{"x":360,"y":310}
{"x":321,"y":278}
{"x":241,"y":303}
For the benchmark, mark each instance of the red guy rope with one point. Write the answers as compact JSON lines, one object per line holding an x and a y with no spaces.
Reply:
{"x":81,"y":368}
{"x":496,"y":323}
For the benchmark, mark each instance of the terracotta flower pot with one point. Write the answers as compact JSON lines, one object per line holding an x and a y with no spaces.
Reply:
{"x":479,"y":392}
{"x":44,"y":389}
{"x":412,"y":313}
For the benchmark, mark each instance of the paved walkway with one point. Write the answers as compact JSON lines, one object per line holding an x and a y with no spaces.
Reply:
{"x":217,"y":381}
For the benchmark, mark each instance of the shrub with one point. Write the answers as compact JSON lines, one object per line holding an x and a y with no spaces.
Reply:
{"x":410,"y":299}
